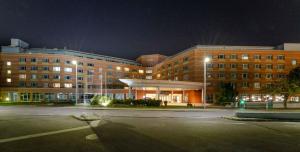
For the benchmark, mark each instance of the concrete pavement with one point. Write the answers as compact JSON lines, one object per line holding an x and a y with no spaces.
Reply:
{"x":53,"y":129}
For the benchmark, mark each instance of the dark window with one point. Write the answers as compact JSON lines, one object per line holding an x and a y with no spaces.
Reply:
{"x":46,"y":76}
{"x":34,"y":68}
{"x":45,"y":68}
{"x":90,"y":64}
{"x":22,"y":59}
{"x":45,"y":60}
{"x":22,"y":68}
{"x":68,"y":77}
{"x":33,"y":59}
{"x":56,"y":61}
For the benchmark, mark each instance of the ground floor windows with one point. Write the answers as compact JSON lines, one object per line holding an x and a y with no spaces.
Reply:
{"x":37,"y":97}
{"x":25,"y":96}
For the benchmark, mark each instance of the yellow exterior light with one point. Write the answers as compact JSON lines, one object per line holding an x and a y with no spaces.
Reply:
{"x":74,"y":62}
{"x":118,"y":68}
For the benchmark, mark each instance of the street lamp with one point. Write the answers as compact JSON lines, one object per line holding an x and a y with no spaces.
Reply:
{"x":76,"y":92}
{"x":206,"y":60}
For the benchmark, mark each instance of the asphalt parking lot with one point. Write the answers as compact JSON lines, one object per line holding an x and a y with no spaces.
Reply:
{"x":26,"y":128}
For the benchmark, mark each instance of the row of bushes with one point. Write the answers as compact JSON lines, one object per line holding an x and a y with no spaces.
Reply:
{"x":37,"y":103}
{"x":139,"y":102}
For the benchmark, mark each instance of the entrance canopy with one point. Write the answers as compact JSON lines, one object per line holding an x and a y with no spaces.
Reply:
{"x":162,"y":84}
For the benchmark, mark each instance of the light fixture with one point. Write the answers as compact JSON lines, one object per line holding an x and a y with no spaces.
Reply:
{"x":74,"y":62}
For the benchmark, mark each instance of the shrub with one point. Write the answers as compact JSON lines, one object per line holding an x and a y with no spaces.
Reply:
{"x":139,"y":102}
{"x":101,"y":100}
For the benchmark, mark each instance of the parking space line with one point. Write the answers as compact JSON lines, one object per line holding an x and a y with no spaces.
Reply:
{"x":42,"y":134}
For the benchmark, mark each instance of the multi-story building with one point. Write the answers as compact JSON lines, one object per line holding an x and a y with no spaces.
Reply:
{"x":40,"y":74}
{"x":247,"y":68}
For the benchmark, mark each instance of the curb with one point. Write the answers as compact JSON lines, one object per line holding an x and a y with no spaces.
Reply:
{"x":247,"y":119}
{"x":259,"y":119}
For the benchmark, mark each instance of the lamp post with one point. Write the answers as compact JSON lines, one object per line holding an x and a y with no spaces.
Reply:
{"x":206,"y":59}
{"x":76,"y":83}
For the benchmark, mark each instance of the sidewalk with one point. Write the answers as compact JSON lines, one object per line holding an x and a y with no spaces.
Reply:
{"x":162,"y":108}
{"x":280,"y":115}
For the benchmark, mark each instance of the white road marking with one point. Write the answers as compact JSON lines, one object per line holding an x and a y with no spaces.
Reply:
{"x":94,"y":123}
{"x":91,"y":137}
{"x":42,"y":134}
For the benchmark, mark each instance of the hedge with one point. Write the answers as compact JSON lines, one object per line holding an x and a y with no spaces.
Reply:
{"x":139,"y":102}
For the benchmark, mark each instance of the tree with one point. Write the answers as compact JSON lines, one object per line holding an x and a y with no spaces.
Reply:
{"x":287,"y":87}
{"x":227,"y":93}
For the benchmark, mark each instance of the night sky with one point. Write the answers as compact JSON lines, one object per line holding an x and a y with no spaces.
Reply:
{"x":128,"y":29}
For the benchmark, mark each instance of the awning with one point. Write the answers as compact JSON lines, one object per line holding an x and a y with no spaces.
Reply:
{"x":163,"y":84}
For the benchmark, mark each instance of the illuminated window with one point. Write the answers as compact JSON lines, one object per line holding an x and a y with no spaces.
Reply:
{"x":158,"y":75}
{"x":118,"y":68}
{"x":8,"y":80}
{"x":56,"y":85}
{"x":294,"y":62}
{"x":68,"y":69}
{"x":141,"y":71}
{"x":22,"y":76}
{"x":149,"y":77}
{"x":8,"y":71}
{"x":8,"y":63}
{"x":148,"y":71}
{"x":56,"y":69}
{"x":68,"y":85}
{"x":245,"y":57}
{"x":256,"y":85}
{"x":126,"y":69}
{"x":33,"y":76}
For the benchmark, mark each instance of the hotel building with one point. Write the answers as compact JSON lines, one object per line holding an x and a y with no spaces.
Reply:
{"x":41,"y":74}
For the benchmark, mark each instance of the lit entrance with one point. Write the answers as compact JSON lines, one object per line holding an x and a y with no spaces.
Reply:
{"x":174,"y":92}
